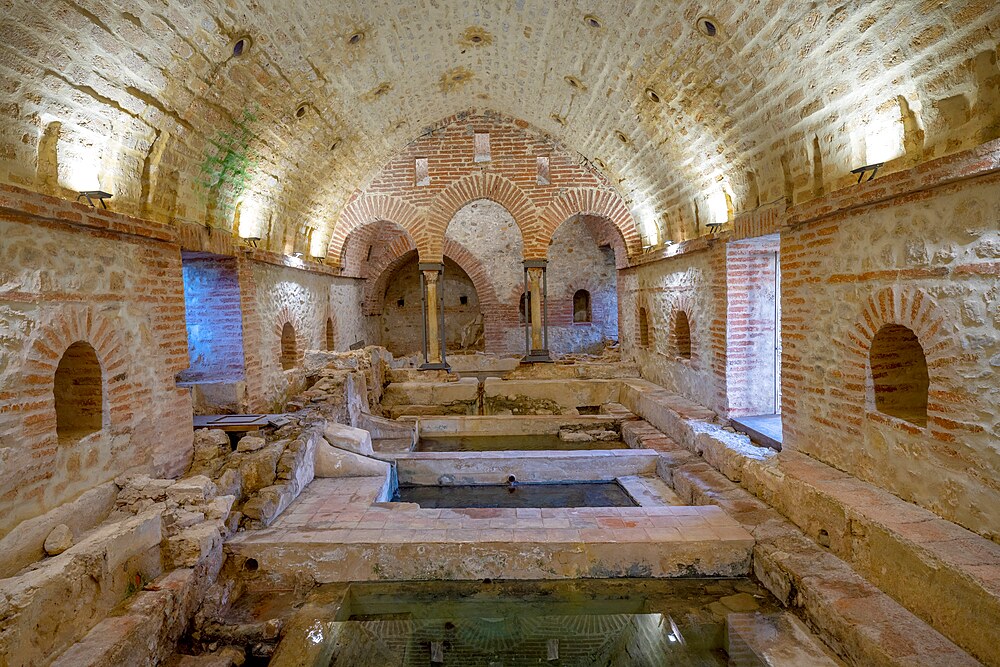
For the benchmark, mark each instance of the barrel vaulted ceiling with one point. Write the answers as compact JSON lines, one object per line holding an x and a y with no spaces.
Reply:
{"x":692,"y":109}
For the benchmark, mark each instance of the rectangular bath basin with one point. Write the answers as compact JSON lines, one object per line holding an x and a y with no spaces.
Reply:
{"x":572,"y":494}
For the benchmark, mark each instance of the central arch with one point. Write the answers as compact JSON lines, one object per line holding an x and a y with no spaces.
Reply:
{"x":469,"y":188}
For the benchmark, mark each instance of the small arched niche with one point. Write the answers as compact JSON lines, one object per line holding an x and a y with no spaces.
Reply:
{"x":289,"y":347}
{"x":79,"y":393}
{"x":899,"y":374}
{"x":682,"y":335}
{"x":644,"y":333}
{"x":581,"y":306}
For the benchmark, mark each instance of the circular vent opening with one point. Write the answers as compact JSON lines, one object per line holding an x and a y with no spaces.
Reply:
{"x":592,"y":21}
{"x":708,"y":26}
{"x":356,"y":38}
{"x":652,"y":96}
{"x":240,"y":45}
{"x":301,"y":111}
{"x":621,"y":136}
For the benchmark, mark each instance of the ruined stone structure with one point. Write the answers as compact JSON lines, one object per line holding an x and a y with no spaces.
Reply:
{"x":754,"y":245}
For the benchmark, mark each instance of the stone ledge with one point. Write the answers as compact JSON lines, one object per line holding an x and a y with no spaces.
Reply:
{"x":902,"y":548}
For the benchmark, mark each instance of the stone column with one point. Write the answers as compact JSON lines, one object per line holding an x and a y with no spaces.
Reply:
{"x":431,"y":280}
{"x":535,"y":285}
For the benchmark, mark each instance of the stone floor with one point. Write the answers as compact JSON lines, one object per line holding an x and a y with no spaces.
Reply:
{"x":338,"y":530}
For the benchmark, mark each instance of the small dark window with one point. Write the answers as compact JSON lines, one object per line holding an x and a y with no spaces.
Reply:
{"x":581,"y":306}
{"x":643,"y":328}
{"x":464,"y":300}
{"x":682,"y":335}
{"x":368,"y":257}
{"x":289,"y":351}
{"x":400,"y":303}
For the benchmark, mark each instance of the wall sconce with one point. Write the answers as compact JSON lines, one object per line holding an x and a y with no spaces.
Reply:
{"x":860,"y":171}
{"x":713,"y":227}
{"x":317,"y":258}
{"x":297,"y":255}
{"x":91,"y":195}
{"x":251,"y":240}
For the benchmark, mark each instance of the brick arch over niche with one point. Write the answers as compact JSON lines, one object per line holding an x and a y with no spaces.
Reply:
{"x":470,"y":188}
{"x":367,"y":209}
{"x":582,"y":201}
{"x":366,"y":248}
{"x":279,"y":355}
{"x":915,"y":311}
{"x":73,"y":325}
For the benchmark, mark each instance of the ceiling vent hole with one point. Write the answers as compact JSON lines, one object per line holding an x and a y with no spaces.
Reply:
{"x":356,"y":38}
{"x":708,"y":26}
{"x":476,"y":39}
{"x":301,"y":111}
{"x":621,"y":136}
{"x":574,"y":82}
{"x":557,"y":118}
{"x":240,"y":45}
{"x":592,"y":21}
{"x":250,"y":565}
{"x":652,"y":95}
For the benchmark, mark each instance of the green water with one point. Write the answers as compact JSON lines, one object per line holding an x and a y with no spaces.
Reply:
{"x":606,"y":623}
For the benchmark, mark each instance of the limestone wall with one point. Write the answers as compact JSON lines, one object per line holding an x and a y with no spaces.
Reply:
{"x":927,"y":262}
{"x":275,"y":295}
{"x":695,"y":284}
{"x":118,"y":293}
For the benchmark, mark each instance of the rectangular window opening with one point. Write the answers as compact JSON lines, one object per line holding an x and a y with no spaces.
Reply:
{"x":482,"y":146}
{"x":543,"y":171}
{"x":423,"y":176}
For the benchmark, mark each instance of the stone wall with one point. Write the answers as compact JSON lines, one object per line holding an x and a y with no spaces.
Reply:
{"x":72,"y":274}
{"x":277,"y":295}
{"x":694,"y":283}
{"x":913,"y":255}
{"x":927,"y":261}
{"x":576,"y":262}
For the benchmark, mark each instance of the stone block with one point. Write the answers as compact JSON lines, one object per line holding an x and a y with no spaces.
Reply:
{"x":348,"y":438}
{"x":334,"y":462}
{"x":250,"y":443}
{"x":59,"y":540}
{"x":195,"y":490}
{"x":190,"y":546}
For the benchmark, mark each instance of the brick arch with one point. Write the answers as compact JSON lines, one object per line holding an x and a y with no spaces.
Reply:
{"x":585,"y":201}
{"x":367,"y":209}
{"x":101,"y":333}
{"x":388,"y":235}
{"x":915,"y":310}
{"x":286,"y":315}
{"x":469,"y":188}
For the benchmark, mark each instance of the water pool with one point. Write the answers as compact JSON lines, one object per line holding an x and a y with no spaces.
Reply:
{"x":621,"y":623}
{"x":565,"y":494}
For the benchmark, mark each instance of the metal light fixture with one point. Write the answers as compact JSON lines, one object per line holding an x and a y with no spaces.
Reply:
{"x":714,"y":226}
{"x":91,"y":195}
{"x":860,"y":171}
{"x":251,"y":240}
{"x":297,"y":255}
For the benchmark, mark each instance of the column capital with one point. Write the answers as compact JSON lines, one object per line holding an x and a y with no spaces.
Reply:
{"x":535,"y":263}
{"x":430,"y":266}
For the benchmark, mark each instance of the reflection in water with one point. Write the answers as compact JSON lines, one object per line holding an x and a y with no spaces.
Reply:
{"x":586,"y":623}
